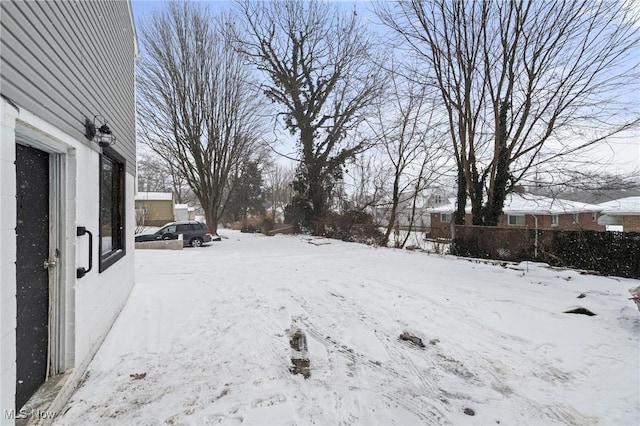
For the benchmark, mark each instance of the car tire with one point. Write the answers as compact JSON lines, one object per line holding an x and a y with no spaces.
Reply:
{"x":196,"y":242}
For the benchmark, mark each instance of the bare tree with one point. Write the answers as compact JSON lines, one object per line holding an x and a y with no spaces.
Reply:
{"x":412,"y":146}
{"x":368,"y":177}
{"x":151,"y":173}
{"x":198,"y":106}
{"x":157,"y":175}
{"x":278,"y":182}
{"x":587,"y":186}
{"x":319,"y":74}
{"x":522,"y":83}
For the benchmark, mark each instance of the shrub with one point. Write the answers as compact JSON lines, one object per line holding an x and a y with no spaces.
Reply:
{"x":353,"y":226}
{"x":267,"y":225}
{"x":468,"y":248}
{"x":249,"y":229}
{"x":611,"y":253}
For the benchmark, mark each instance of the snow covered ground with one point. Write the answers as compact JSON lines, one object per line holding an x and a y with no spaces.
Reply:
{"x":204,"y":340}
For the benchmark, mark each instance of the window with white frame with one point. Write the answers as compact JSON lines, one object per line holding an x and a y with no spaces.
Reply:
{"x":554,"y":220}
{"x":516,"y":219}
{"x":576,"y":218}
{"x":445,"y":217}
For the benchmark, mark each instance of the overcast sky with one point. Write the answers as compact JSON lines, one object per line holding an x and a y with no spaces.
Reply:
{"x":623,"y":151}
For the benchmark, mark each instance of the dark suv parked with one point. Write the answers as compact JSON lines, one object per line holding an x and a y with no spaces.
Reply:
{"x":194,"y":234}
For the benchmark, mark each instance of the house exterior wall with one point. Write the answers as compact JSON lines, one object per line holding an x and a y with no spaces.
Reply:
{"x":586,"y":221}
{"x":439,"y":228}
{"x":7,"y":260}
{"x":158,"y":212}
{"x":631,"y":223}
{"x":437,"y":198}
{"x":421,"y":218}
{"x":101,"y":296}
{"x":66,"y":61}
{"x":62,"y":62}
{"x":181,"y":212}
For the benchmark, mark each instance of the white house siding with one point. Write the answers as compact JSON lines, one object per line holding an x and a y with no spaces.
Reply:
{"x":62,"y":62}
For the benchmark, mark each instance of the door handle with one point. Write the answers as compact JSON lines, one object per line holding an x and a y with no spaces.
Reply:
{"x":49,"y":264}
{"x":80,"y":231}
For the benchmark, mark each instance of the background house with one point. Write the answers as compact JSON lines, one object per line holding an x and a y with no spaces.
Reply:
{"x":526,"y":211}
{"x":439,"y":197}
{"x":154,"y":208}
{"x":407,"y":211}
{"x":624,"y":212}
{"x":184,"y":212}
{"x":421,"y":213}
{"x":66,"y":209}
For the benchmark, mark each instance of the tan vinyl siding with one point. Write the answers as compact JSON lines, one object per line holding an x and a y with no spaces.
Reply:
{"x":631,"y":223}
{"x":158,"y":212}
{"x":66,"y":61}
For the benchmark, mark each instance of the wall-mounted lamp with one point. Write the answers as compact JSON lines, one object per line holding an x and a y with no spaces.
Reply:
{"x":103,"y":134}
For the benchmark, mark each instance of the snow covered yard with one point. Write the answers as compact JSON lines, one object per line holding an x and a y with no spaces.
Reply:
{"x":204,"y":340}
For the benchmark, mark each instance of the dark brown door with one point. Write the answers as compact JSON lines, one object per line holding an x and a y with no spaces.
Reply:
{"x":32,"y":279}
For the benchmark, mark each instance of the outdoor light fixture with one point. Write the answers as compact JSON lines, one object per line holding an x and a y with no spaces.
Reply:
{"x":102,"y":134}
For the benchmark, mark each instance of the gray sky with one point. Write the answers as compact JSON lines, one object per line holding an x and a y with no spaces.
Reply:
{"x":622,"y":151}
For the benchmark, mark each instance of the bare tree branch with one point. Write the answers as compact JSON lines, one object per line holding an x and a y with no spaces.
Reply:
{"x":516,"y":78}
{"x":319,"y":73}
{"x":198,"y":108}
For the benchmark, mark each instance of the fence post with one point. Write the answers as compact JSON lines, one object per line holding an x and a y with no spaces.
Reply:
{"x":535,"y":240}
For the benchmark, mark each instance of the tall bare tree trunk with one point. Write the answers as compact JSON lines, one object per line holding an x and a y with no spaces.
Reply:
{"x":198,"y":105}
{"x":518,"y":80}
{"x":319,"y":74}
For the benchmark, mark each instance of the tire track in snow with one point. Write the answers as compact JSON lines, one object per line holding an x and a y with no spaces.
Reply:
{"x":434,"y":414}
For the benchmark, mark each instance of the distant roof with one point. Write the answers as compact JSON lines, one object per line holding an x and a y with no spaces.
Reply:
{"x":626,"y":206}
{"x":446,"y":208}
{"x":154,"y":196}
{"x":597,"y":196}
{"x":528,"y":203}
{"x":532,"y":204}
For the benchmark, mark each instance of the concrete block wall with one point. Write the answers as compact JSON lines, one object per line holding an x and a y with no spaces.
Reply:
{"x":161,"y":245}
{"x":92,"y":303}
{"x":7,"y":260}
{"x":101,"y":296}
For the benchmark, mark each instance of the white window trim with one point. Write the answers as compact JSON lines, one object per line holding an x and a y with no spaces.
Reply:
{"x":516,"y":216}
{"x":555,"y":220}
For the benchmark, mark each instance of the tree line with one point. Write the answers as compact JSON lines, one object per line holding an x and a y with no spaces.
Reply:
{"x":484,"y":94}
